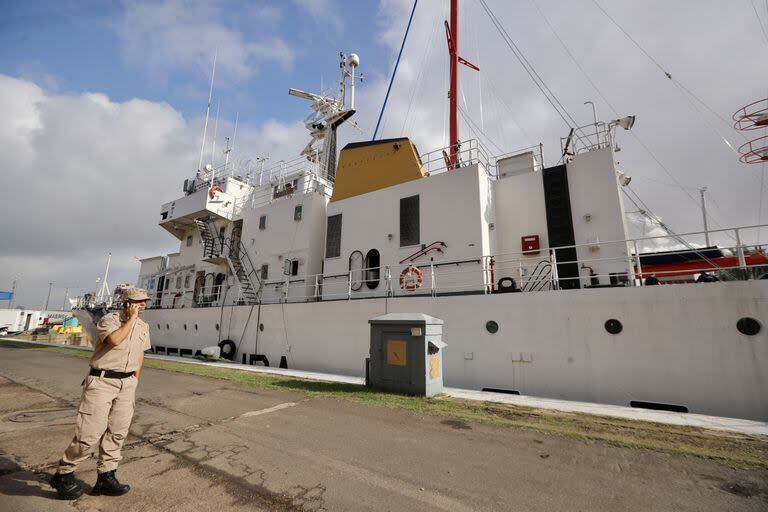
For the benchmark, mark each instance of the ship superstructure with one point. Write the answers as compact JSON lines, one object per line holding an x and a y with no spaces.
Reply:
{"x":530,"y":266}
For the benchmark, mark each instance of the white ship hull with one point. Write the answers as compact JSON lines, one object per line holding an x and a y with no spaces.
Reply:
{"x":679,"y":345}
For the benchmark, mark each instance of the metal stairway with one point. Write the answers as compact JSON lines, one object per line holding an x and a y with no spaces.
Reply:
{"x":211,"y":244}
{"x":217,"y":248}
{"x":242,"y":267}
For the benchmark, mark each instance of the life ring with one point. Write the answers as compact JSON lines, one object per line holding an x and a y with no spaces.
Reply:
{"x":228,"y":349}
{"x":411,"y":278}
{"x":213,"y":190}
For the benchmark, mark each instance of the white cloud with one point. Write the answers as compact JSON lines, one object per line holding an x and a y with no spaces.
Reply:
{"x":324,"y":12}
{"x":185,"y":35}
{"x":86,"y":175}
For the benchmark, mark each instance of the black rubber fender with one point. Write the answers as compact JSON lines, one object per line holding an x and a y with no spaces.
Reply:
{"x":228,"y":349}
{"x":506,"y":285}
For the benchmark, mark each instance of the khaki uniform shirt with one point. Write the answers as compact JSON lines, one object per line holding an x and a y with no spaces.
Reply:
{"x":126,"y":357}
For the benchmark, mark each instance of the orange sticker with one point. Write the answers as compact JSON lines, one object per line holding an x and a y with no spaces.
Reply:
{"x":396,"y":352}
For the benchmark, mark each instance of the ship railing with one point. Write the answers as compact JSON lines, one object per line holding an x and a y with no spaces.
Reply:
{"x":473,"y":152}
{"x":731,"y":254}
{"x":586,"y":138}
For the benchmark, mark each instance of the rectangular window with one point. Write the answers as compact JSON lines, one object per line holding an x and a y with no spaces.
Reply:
{"x":297,"y":212}
{"x":178,"y":282}
{"x":264,"y":272}
{"x":186,"y":281}
{"x":189,"y":241}
{"x":263,"y":222}
{"x":333,"y":237}
{"x":409,"y":221}
{"x":295,"y":267}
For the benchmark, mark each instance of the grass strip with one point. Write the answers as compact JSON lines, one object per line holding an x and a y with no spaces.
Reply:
{"x":735,"y":450}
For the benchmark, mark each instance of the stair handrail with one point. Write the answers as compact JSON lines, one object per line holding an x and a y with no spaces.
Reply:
{"x":434,"y":246}
{"x":537,"y":277}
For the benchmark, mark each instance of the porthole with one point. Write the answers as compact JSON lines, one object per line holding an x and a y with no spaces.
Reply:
{"x":492,"y":326}
{"x":158,"y":326}
{"x":195,"y":326}
{"x":613,"y":326}
{"x":261,"y":327}
{"x":167,"y":327}
{"x":748,"y":326}
{"x":217,"y":327}
{"x":185,"y":327}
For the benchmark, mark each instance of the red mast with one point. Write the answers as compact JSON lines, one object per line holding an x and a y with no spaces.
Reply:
{"x":452,"y":34}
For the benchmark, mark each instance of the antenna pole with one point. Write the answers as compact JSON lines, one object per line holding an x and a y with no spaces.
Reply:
{"x":453,"y":94}
{"x":66,"y":296}
{"x":207,"y":112}
{"x":215,"y":131}
{"x":704,"y":215}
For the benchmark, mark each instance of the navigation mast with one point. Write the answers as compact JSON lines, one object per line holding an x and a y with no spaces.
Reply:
{"x":452,"y":35}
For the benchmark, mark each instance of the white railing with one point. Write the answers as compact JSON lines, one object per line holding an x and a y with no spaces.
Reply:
{"x":603,"y":264}
{"x":473,"y":152}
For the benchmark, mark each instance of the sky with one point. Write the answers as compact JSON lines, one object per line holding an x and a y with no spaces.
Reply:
{"x":102,"y":105}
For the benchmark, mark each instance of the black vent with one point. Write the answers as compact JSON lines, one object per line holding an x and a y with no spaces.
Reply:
{"x":560,"y":225}
{"x":409,"y":221}
{"x":333,"y":238}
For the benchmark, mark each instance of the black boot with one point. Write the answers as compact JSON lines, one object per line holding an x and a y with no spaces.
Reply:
{"x":66,"y":486}
{"x":106,"y":483}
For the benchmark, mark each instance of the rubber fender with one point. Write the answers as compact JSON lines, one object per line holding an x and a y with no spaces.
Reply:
{"x":507,"y":284}
{"x":228,"y":349}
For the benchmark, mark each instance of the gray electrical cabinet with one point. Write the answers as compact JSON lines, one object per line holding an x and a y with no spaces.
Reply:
{"x":406,"y":354}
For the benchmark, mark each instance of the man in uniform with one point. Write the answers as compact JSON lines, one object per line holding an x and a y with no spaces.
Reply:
{"x":106,"y":405}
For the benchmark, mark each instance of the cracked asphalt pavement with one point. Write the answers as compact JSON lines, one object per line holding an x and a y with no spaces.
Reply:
{"x":204,"y":444}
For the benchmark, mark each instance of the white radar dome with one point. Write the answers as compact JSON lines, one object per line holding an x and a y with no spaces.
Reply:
{"x":354,"y":60}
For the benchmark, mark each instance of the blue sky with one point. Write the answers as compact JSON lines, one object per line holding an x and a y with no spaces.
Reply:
{"x":77,"y":46}
{"x":102,"y":104}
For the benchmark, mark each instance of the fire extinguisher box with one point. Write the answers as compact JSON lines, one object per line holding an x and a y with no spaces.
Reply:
{"x":530,"y":244}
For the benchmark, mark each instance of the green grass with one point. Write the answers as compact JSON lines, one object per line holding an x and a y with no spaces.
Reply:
{"x":732,"y":449}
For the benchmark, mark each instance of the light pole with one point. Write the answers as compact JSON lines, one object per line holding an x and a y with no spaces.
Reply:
{"x":66,"y":296}
{"x":47,"y":299}
{"x":704,"y":215}
{"x":594,"y":116}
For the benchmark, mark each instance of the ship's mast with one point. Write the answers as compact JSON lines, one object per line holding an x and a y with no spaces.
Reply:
{"x":452,"y":34}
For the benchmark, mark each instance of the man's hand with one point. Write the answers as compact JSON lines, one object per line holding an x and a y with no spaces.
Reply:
{"x":133,"y":310}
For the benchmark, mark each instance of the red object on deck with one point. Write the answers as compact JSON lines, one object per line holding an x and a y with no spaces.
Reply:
{"x":685,"y":268}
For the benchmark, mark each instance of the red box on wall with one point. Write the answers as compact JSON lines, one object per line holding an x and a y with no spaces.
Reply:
{"x":530,"y":244}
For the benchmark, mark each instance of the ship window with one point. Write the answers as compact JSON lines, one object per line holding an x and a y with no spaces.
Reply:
{"x":167,"y":284}
{"x":372,"y":270}
{"x":189,"y":241}
{"x":297,"y":212}
{"x":409,"y":221}
{"x":333,"y":238}
{"x":295,"y":267}
{"x":222,"y":229}
{"x":263,"y":222}
{"x":264,"y":271}
{"x":178,"y":282}
{"x":186,"y":281}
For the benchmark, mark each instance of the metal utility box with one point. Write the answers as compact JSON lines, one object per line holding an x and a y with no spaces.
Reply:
{"x":406,"y":354}
{"x":530,"y":244}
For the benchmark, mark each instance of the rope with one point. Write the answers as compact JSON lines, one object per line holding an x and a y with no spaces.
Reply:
{"x":394,"y":72}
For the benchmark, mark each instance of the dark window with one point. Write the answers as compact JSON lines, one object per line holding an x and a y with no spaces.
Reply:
{"x":333,"y":238}
{"x":264,"y":271}
{"x":263,"y":222}
{"x":189,"y":241}
{"x":372,"y":270}
{"x":297,"y":212}
{"x":295,"y":267}
{"x":409,"y":221}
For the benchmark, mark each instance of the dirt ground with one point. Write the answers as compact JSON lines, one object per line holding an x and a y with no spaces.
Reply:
{"x":205,"y":444}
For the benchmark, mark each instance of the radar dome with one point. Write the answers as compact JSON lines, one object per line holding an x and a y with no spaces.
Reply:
{"x":354,"y":60}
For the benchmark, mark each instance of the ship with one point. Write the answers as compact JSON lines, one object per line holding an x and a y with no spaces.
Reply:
{"x":530,"y":267}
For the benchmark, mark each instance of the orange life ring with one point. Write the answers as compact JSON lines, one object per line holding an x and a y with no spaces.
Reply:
{"x":214,"y":189}
{"x":411,"y":278}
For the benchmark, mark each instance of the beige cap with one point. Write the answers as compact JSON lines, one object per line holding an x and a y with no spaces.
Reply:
{"x":135,"y":294}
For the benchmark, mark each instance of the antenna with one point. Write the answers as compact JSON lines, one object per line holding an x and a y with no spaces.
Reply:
{"x":207,"y":111}
{"x":215,"y":131}
{"x":230,"y":148}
